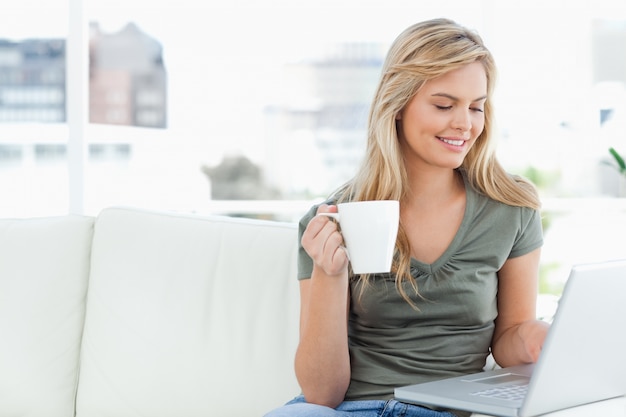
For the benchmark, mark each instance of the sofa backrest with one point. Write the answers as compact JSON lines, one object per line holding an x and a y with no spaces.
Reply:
{"x":44,"y":267}
{"x":188,"y":316}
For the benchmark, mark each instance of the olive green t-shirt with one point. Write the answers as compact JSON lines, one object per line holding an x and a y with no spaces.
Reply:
{"x":391,"y":344}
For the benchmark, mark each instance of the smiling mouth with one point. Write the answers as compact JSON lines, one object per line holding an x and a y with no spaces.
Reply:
{"x":453,"y":142}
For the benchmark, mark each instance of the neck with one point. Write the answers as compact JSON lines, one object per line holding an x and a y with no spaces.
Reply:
{"x":434,"y":186}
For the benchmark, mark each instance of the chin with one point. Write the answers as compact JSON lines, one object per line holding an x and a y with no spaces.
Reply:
{"x":454,"y":164}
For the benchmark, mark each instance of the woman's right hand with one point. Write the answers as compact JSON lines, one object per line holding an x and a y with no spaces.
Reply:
{"x":324,"y":243}
{"x":322,"y":362}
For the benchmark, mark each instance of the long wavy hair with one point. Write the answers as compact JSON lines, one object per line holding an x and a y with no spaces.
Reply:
{"x":420,"y":53}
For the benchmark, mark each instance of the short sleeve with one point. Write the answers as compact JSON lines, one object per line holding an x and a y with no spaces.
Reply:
{"x":530,"y":235}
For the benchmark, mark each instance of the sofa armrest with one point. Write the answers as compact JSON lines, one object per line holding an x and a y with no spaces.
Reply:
{"x":44,"y":267}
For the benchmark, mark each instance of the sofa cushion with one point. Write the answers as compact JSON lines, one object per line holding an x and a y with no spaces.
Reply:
{"x":44,"y":265}
{"x":188,"y":316}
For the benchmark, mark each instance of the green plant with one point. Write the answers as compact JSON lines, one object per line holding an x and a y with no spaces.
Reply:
{"x":619,"y":160}
{"x":547,"y":282}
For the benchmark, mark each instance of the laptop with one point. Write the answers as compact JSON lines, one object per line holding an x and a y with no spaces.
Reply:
{"x":583,"y":358}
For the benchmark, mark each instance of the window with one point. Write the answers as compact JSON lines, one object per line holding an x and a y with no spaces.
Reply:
{"x":273,"y":96}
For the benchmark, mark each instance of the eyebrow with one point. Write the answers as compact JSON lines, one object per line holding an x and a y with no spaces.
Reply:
{"x":451,"y":97}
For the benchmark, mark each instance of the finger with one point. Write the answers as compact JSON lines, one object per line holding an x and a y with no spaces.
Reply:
{"x":320,"y":227}
{"x":335,"y":254}
{"x":326,"y":208}
{"x":327,"y":238}
{"x":339,"y":261}
{"x":315,"y":239}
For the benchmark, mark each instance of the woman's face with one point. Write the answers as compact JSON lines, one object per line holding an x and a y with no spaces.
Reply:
{"x":441,"y":122}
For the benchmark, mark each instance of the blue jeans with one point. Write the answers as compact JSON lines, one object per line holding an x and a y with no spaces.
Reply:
{"x":298,"y":407}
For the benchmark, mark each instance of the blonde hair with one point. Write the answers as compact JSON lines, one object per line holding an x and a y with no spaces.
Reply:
{"x":422,"y":52}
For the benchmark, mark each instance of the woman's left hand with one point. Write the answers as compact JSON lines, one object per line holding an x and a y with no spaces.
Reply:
{"x":532,"y":334}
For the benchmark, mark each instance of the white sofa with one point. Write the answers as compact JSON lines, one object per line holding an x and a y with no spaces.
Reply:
{"x":139,"y":313}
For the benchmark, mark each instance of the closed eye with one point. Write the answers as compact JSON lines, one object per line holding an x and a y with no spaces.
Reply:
{"x":444,"y":108}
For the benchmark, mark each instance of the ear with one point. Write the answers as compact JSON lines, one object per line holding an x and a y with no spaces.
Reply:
{"x":399,"y":115}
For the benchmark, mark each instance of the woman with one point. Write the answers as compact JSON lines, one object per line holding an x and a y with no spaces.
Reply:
{"x":464,"y":279}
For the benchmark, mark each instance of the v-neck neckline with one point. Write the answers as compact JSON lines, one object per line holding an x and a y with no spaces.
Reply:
{"x":430,"y":268}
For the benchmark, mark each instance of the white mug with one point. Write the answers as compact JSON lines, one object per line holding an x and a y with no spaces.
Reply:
{"x":369,"y":230}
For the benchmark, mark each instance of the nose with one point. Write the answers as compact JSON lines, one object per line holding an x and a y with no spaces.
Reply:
{"x":462,"y":120}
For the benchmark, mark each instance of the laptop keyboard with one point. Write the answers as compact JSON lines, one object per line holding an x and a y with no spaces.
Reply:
{"x":509,"y":392}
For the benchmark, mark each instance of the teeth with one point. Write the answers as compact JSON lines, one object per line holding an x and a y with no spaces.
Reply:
{"x":453,"y":142}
